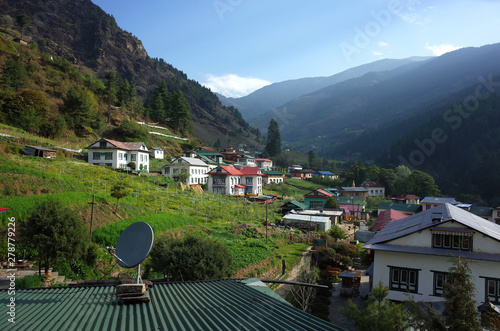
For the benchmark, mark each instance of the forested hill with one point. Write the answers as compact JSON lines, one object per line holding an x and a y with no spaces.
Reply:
{"x":460,"y":147}
{"x":82,"y":33}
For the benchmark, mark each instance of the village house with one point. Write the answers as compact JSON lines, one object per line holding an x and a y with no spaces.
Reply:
{"x":251,"y":178}
{"x":297,"y":174}
{"x":374,"y":189}
{"x":406,"y":198}
{"x":412,"y":254}
{"x":308,"y":222}
{"x":326,"y":174}
{"x":116,"y":154}
{"x":224,"y":179}
{"x":246,"y":160}
{"x":431,"y":202}
{"x":40,"y":152}
{"x":157,"y":153}
{"x":354,"y":192}
{"x":230,"y":154}
{"x":264,"y":164}
{"x":273,"y":177}
{"x":317,"y":198}
{"x":195,"y":170}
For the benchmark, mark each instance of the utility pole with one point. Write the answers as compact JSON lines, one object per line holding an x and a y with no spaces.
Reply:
{"x":92,"y":215}
{"x":266,"y":220}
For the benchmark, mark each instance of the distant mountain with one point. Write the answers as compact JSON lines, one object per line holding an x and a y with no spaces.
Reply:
{"x":81,"y":32}
{"x":336,"y":120}
{"x":271,"y":96}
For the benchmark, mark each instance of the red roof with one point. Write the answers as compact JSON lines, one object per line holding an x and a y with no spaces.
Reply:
{"x":253,"y":171}
{"x":406,"y":197}
{"x":239,"y":186}
{"x":263,"y":160}
{"x":315,"y":193}
{"x":229,"y":169}
{"x":387,"y":216}
{"x":122,"y":145}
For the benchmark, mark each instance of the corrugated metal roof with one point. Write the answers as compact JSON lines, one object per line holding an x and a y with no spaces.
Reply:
{"x":307,"y":218}
{"x":408,"y":207}
{"x":207,"y":305}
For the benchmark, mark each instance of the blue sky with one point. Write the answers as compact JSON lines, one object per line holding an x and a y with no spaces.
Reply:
{"x":237,"y":46}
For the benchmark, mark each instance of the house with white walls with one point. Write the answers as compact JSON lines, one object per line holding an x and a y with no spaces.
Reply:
{"x":225,"y":180}
{"x":412,"y":255}
{"x":117,"y":154}
{"x":195,"y":170}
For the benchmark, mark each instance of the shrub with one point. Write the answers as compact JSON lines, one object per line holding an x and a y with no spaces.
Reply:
{"x":29,"y":282}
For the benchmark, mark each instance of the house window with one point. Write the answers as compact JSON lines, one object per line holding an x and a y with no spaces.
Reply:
{"x":102,"y":144}
{"x":125,"y":156}
{"x":493,"y":290}
{"x":141,"y":157}
{"x":316,"y":204}
{"x":439,"y":280}
{"x":403,"y":279}
{"x":120,"y":156}
{"x":133,"y":157}
{"x":96,"y":156}
{"x":109,"y":156}
{"x":458,"y":241}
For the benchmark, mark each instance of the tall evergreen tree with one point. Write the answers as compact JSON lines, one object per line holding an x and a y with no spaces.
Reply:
{"x":273,"y":145}
{"x":181,"y":113}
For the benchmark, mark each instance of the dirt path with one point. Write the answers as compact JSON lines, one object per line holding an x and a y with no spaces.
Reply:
{"x":293,"y":274}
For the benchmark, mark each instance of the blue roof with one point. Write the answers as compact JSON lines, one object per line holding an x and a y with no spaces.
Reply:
{"x":437,"y":200}
{"x":423,"y":220}
{"x":326,"y":173}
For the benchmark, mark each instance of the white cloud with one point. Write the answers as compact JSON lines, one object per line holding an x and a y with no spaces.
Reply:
{"x":378,"y":53}
{"x":383,"y":44}
{"x":439,"y":50}
{"x":233,"y":85}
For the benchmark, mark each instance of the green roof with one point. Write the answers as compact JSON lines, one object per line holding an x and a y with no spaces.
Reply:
{"x":273,"y":173}
{"x":298,"y":204}
{"x":408,"y":207}
{"x":208,"y":153}
{"x":350,"y":200}
{"x":208,"y":160}
{"x":205,"y":305}
{"x":481,"y":211}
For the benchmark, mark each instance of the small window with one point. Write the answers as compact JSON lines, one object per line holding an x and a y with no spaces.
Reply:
{"x":109,"y":156}
{"x":439,"y":280}
{"x":96,"y":156}
{"x":102,"y":144}
{"x":404,"y":279}
{"x":493,"y":290}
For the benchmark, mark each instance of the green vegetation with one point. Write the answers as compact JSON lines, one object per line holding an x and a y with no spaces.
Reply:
{"x":54,"y":231}
{"x":191,"y":258}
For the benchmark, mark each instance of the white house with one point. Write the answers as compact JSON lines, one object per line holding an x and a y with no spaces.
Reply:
{"x":116,"y":154}
{"x":251,"y":177}
{"x":264,"y":164}
{"x":413,"y":255}
{"x":374,"y":189}
{"x":224,"y":180}
{"x":196,"y":169}
{"x":157,"y":153}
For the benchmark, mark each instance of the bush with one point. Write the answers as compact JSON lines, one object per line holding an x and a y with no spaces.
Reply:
{"x":191,"y":258}
{"x":29,"y":282}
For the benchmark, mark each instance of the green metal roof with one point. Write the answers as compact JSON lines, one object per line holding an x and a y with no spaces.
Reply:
{"x":272,"y":172}
{"x":408,"y":207}
{"x":205,"y":305}
{"x":341,"y":200}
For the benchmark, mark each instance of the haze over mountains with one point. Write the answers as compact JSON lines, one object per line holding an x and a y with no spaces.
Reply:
{"x":331,"y":118}
{"x":271,"y":96}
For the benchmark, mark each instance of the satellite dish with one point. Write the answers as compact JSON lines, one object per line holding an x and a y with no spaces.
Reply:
{"x":134,"y":244}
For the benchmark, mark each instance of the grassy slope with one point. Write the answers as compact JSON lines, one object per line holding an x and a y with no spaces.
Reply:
{"x":28,"y":180}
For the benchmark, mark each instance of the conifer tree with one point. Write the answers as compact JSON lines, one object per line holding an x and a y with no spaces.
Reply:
{"x":273,"y":145}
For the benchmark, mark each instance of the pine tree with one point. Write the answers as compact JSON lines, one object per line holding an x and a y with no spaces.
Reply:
{"x":273,"y":145}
